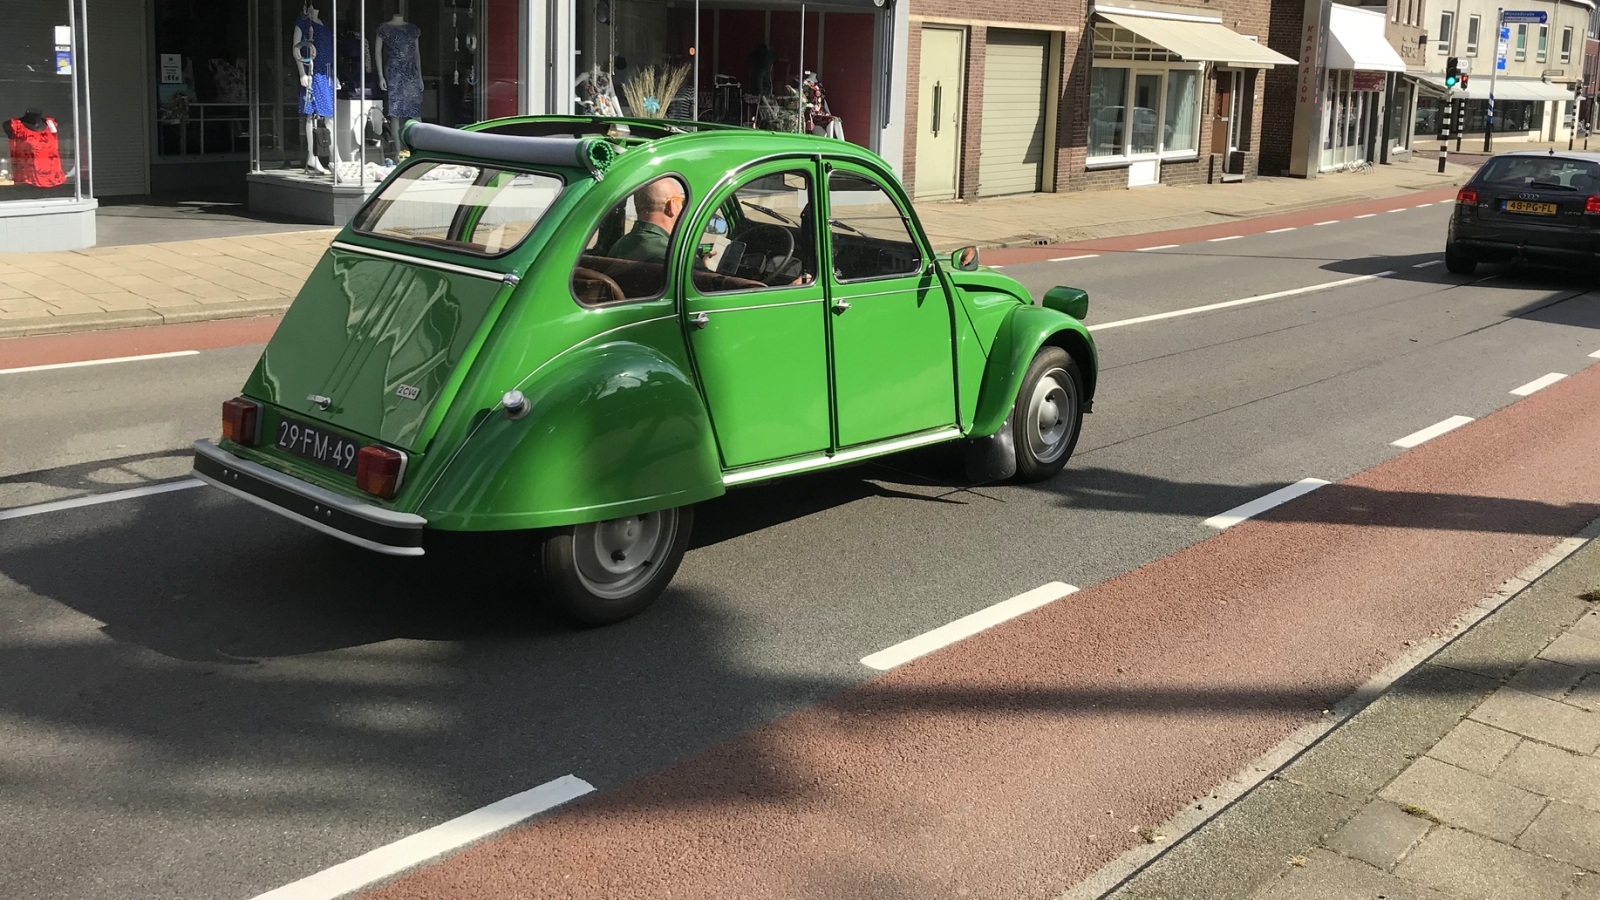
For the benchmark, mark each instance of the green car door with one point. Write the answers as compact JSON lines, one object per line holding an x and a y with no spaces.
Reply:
{"x":756,"y":316}
{"x":893,"y":355}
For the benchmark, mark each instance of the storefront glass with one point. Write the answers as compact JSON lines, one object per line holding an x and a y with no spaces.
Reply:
{"x":1509,"y":115}
{"x":764,"y":67}
{"x":1351,"y":98}
{"x":39,"y":81}
{"x":1143,"y":100}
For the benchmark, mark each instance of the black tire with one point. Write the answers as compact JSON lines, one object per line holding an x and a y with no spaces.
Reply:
{"x":592,"y":586}
{"x":1460,"y":262}
{"x":1047,"y":418}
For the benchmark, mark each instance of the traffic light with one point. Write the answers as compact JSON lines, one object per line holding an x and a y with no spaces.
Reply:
{"x":1452,"y":72}
{"x":1463,"y":82}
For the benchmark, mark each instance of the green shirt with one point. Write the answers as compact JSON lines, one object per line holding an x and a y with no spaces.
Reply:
{"x":647,"y":242}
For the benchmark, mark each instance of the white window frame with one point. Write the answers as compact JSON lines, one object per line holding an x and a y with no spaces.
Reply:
{"x":1566,"y":44}
{"x":1521,"y":49}
{"x":1136,"y":68}
{"x":1542,"y":51}
{"x":1474,"y":33}
{"x":1447,"y":24}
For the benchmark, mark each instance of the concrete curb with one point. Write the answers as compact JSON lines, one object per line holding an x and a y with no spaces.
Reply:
{"x":1228,"y":845}
{"x":135,"y":318}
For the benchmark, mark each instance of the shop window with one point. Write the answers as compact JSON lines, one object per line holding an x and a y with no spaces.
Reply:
{"x":762,"y":236}
{"x":1182,"y":114}
{"x":1447,"y":24}
{"x":1473,"y":23}
{"x":484,"y":211}
{"x":1108,"y":90}
{"x":626,"y":255}
{"x":867,"y":233}
{"x":39,"y":159}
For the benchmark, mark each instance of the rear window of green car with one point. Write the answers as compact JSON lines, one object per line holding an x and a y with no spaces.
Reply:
{"x":481,"y":210}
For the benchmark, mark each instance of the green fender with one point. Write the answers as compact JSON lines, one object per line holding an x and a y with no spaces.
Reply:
{"x":1025,"y":330}
{"x":612,"y":430}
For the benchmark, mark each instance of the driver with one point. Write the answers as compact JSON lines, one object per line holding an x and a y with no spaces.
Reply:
{"x":658,"y":205}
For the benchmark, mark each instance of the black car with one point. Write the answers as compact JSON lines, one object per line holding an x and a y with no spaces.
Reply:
{"x":1531,"y":206}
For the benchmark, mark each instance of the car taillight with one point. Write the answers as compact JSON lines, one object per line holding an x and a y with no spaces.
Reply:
{"x":379,"y":470}
{"x":241,"y":421}
{"x":1468,"y":196}
{"x":1592,"y":205}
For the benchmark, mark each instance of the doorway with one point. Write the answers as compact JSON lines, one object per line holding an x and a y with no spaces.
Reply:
{"x":1144,"y":129}
{"x":939,"y":96}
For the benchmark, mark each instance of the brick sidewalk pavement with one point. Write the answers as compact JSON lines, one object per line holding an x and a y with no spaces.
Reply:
{"x":183,"y":281}
{"x":1475,"y":777}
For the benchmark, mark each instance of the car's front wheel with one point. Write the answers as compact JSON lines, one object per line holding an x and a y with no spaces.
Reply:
{"x":1048,"y":414}
{"x":598,"y":573}
{"x":1459,"y":261}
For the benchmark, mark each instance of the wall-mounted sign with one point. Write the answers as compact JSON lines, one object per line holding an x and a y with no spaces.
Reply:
{"x":1368,"y":81}
{"x":63,"y":61}
{"x":64,"y":35}
{"x":1524,"y":15}
{"x":172,"y":68}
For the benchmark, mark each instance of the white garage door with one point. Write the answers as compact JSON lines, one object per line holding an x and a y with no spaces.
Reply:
{"x":1013,"y":142}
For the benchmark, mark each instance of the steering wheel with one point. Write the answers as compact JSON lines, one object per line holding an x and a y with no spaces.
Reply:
{"x":596,"y":282}
{"x":788,"y":244}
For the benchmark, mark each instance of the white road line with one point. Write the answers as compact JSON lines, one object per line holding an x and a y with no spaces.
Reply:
{"x":99,"y":362}
{"x":1538,"y":384}
{"x":1329,"y":222}
{"x":997,"y":267}
{"x":1431,"y":262}
{"x":1261,"y":504}
{"x":1231,"y":237}
{"x":1422,"y":205}
{"x":1241,"y":302}
{"x":1157,"y":247}
{"x":1366,"y":215}
{"x":966,"y":626}
{"x":1281,"y":230}
{"x":1401,"y":209}
{"x":1070,"y":258}
{"x":97,"y":499}
{"x":392,"y":859}
{"x":1595,"y":355}
{"x":1431,"y":432}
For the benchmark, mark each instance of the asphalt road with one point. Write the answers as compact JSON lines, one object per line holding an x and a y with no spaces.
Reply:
{"x":198,"y":699}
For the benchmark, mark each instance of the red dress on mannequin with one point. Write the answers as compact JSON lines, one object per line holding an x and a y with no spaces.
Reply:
{"x":36,"y":155}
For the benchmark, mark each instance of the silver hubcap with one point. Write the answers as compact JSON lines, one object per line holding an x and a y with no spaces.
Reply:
{"x":616,"y":556}
{"x":1052,"y":415}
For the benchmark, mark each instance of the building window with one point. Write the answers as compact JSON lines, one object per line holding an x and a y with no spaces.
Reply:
{"x":1447,"y":24}
{"x":1566,"y":44}
{"x":1143,"y":99}
{"x":1522,"y":42}
{"x":1544,"y":42}
{"x":1472,"y":35}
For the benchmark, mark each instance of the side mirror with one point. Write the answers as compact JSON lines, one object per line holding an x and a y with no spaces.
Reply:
{"x":717,"y":225}
{"x":965,"y":259}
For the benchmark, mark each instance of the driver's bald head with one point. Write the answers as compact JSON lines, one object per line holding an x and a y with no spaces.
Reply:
{"x":655,"y":196}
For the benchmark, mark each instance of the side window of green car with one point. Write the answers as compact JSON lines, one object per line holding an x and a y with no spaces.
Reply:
{"x":625,"y":258}
{"x":868,"y":232}
{"x":762,"y":236}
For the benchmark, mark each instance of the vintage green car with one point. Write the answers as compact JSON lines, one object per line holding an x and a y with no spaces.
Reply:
{"x":578,"y":328}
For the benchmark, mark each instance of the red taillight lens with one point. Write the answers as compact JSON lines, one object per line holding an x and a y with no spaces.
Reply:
{"x":1468,"y":196}
{"x":1592,"y":205}
{"x":241,"y":421}
{"x":378,"y":470}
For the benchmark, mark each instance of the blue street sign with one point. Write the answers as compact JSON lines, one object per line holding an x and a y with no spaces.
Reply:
{"x":1524,"y":15}
{"x":1500,"y":64}
{"x":1505,"y":34}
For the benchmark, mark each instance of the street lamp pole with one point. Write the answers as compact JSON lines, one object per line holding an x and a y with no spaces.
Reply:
{"x":1499,"y":29}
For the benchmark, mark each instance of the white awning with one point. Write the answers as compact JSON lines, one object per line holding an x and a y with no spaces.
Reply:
{"x":1504,"y":89}
{"x":1199,"y":41}
{"x":1357,"y":41}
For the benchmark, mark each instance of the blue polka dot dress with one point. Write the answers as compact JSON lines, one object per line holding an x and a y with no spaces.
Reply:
{"x":316,"y":41}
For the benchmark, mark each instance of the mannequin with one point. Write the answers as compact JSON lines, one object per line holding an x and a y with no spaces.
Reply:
{"x":313,"y":56}
{"x":35,"y":151}
{"x":398,"y":56}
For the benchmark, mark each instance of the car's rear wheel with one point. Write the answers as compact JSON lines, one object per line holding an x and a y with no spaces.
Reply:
{"x":1459,"y":261}
{"x":598,"y":573}
{"x":1048,"y":414}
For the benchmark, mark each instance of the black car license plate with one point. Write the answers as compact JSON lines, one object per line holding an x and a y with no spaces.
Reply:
{"x":317,"y":444}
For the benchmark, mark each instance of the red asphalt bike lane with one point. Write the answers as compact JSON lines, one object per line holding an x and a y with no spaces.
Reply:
{"x":1019,"y":761}
{"x":52,"y":349}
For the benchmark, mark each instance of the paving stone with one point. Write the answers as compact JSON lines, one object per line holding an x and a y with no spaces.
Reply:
{"x":1466,"y":799}
{"x":1588,"y":626}
{"x":1328,"y":876}
{"x":1587,"y":694}
{"x":1553,"y":772}
{"x":1587,"y":888}
{"x":1379,"y":834}
{"x":1475,"y":747}
{"x":1566,"y":832}
{"x":1541,"y":719}
{"x":1574,"y":650}
{"x":1471,"y":866}
{"x":1546,"y":678}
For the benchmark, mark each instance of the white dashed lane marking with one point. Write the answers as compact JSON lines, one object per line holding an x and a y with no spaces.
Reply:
{"x":966,"y":626}
{"x":1261,"y":504}
{"x":1538,"y":384}
{"x":1431,"y":432}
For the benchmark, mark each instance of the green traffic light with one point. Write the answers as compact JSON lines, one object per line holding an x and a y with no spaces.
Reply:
{"x":1450,"y":81}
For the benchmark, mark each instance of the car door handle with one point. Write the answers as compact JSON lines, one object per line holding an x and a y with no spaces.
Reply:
{"x":700,"y":320}
{"x":840,"y":306}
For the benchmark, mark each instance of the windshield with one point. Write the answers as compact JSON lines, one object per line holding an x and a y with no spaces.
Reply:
{"x":1543,"y":172}
{"x":474,"y":209}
